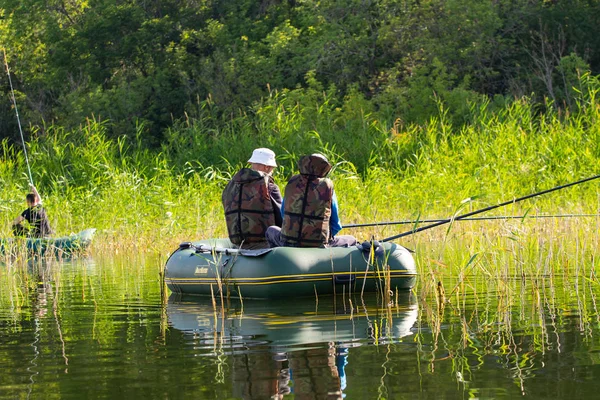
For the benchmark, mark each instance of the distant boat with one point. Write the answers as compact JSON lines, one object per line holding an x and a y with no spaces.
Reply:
{"x":61,"y":246}
{"x":202,"y":267}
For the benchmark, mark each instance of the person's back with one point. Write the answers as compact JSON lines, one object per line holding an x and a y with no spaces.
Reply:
{"x":38,"y":219}
{"x":35,"y":215}
{"x":307,"y":204}
{"x":252,"y":202}
{"x":310,"y":210}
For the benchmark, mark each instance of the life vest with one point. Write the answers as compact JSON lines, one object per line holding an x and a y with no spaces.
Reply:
{"x":38,"y":221}
{"x":248,"y":209}
{"x":307,"y":204}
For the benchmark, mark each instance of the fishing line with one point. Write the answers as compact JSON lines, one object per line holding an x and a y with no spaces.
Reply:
{"x":14,"y":100}
{"x":495,"y":217}
{"x":529,"y":196}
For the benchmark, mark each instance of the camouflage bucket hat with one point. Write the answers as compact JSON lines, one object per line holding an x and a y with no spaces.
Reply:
{"x":314,"y":164}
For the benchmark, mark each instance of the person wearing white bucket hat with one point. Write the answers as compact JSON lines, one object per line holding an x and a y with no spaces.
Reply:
{"x":261,"y":158}
{"x":252,"y":201}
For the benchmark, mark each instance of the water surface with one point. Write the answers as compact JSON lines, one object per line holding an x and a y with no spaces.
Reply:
{"x":103,"y":329}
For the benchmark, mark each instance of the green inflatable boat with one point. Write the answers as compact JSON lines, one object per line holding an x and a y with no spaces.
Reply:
{"x":60,"y":246}
{"x":202,"y":268}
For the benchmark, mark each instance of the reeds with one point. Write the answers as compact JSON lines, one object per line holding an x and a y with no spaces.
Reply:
{"x":144,"y":200}
{"x":512,"y":286}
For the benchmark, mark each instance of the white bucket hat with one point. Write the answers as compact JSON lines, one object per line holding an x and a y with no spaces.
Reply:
{"x":263,"y":156}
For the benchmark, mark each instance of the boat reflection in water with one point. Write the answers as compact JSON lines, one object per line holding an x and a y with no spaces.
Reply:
{"x":298,"y":346}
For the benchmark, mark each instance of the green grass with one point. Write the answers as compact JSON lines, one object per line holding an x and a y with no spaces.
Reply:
{"x":143,"y":200}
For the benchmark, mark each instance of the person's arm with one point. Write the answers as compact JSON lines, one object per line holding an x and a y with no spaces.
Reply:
{"x":334,"y":221}
{"x":38,"y":198}
{"x":18,"y":220}
{"x":276,"y":201}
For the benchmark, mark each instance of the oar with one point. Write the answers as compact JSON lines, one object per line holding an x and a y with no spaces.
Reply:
{"x":496,"y":217}
{"x":463,"y":216}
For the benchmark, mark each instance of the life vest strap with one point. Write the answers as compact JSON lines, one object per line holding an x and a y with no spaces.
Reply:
{"x":245,"y":210}
{"x":290,"y":239}
{"x":292,"y":214}
{"x":248,"y":235}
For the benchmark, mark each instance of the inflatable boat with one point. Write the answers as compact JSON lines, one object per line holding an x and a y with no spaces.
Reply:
{"x":60,"y":246}
{"x":215,"y":266}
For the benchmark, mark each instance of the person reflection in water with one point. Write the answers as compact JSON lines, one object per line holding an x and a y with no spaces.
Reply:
{"x":337,"y":360}
{"x":308,"y":374}
{"x":318,"y":373}
{"x":261,"y":375}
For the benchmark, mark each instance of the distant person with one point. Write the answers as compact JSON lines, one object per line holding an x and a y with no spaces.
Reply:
{"x":252,"y":202}
{"x":35,"y":215}
{"x":310,"y":209}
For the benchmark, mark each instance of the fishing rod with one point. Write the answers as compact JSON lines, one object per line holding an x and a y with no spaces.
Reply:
{"x":496,"y":217}
{"x":14,"y":100}
{"x":463,"y":216}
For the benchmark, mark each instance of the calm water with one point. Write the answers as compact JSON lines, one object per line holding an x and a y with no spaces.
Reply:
{"x":101,"y":329}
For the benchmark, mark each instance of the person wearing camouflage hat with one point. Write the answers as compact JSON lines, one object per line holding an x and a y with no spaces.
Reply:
{"x":310,"y":209}
{"x":252,"y":202}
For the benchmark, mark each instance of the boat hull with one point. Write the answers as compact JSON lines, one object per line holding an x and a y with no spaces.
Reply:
{"x":61,"y":246}
{"x":204,"y":267}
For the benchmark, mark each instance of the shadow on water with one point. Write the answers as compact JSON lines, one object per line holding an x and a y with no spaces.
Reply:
{"x":298,"y":346}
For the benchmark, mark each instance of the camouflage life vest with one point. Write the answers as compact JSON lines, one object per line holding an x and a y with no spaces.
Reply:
{"x":248,"y":208}
{"x":307,"y":204}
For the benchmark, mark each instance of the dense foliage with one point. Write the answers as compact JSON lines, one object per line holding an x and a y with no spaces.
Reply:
{"x":136,"y":112}
{"x":152,"y":64}
{"x":139,"y":197}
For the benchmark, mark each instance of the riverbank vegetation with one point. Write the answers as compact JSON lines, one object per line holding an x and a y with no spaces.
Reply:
{"x":136,"y":114}
{"x":155,"y":63}
{"x":143,"y":198}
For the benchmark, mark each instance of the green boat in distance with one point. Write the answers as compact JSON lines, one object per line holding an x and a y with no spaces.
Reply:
{"x":202,"y":268}
{"x":65,"y":246}
{"x":291,"y":324}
